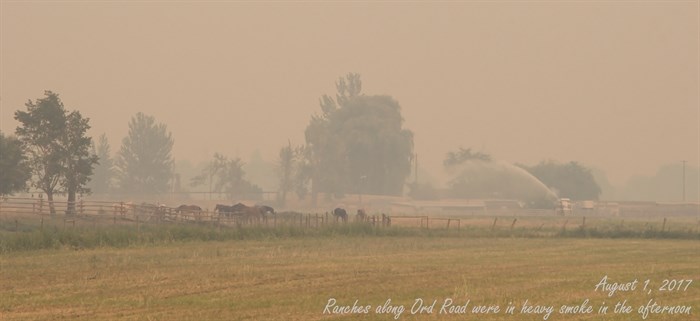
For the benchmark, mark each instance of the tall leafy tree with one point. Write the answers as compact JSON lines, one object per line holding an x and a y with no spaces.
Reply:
{"x":79,"y":162}
{"x":104,"y":172}
{"x":14,"y":169}
{"x":357,"y":144}
{"x":144,"y":162}
{"x":58,"y":148}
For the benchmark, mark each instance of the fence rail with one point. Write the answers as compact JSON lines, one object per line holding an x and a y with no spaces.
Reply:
{"x":14,"y":211}
{"x":94,"y":212}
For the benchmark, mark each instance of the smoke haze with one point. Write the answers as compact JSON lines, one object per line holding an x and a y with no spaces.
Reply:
{"x":610,"y":85}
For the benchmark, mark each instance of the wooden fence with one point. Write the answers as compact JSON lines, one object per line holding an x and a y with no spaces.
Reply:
{"x":105,"y":212}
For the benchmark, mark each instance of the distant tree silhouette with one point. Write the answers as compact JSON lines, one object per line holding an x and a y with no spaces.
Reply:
{"x":14,"y":169}
{"x":357,"y":143}
{"x":144,"y":162}
{"x":104,"y":172}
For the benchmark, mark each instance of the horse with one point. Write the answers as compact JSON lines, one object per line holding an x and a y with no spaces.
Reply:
{"x":189,"y":209}
{"x":250,"y":213}
{"x":224,"y":210}
{"x":361,"y":215}
{"x":340,"y":213}
{"x":264,"y":210}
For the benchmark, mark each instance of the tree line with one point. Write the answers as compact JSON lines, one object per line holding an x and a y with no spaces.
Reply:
{"x":51,"y":152}
{"x":356,"y":144}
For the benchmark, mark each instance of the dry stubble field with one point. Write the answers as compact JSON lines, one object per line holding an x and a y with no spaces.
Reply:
{"x":294,"y":278}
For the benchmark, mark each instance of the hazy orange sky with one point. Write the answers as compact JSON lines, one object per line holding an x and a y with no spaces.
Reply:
{"x":614,"y":85}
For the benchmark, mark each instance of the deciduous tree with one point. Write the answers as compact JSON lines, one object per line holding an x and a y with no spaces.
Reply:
{"x":358,"y":143}
{"x":144,"y":162}
{"x":14,"y":169}
{"x":57,"y":147}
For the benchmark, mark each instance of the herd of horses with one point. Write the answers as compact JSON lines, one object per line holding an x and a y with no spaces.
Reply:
{"x":237,"y":210}
{"x":240,"y":211}
{"x":254,"y":213}
{"x":341,"y":214}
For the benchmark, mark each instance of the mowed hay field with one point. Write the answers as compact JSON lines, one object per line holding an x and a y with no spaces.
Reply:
{"x":294,"y":278}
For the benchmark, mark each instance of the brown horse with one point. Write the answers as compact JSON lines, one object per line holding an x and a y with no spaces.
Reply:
{"x":249,"y":213}
{"x":189,"y":209}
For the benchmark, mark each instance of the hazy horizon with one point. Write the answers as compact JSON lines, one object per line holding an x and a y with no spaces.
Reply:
{"x":614,"y":86}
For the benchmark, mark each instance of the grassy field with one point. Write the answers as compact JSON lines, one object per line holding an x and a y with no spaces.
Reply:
{"x":273,"y":277}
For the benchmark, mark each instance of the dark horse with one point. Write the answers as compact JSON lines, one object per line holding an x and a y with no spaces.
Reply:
{"x":340,"y":213}
{"x":266,"y":209}
{"x":224,"y":210}
{"x":189,"y":209}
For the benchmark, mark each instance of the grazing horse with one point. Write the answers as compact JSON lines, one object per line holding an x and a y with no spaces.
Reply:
{"x":361,"y":215}
{"x":189,"y":209}
{"x":264,"y":210}
{"x":340,"y":213}
{"x":250,"y":213}
{"x":224,"y":210}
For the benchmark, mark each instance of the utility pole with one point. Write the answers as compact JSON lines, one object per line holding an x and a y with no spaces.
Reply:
{"x":683,"y":161}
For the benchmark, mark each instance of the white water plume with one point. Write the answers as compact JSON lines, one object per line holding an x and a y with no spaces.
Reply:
{"x":476,"y":178}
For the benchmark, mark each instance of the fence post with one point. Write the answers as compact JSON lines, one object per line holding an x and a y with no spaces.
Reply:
{"x":495,"y":219}
{"x":663,"y":226}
